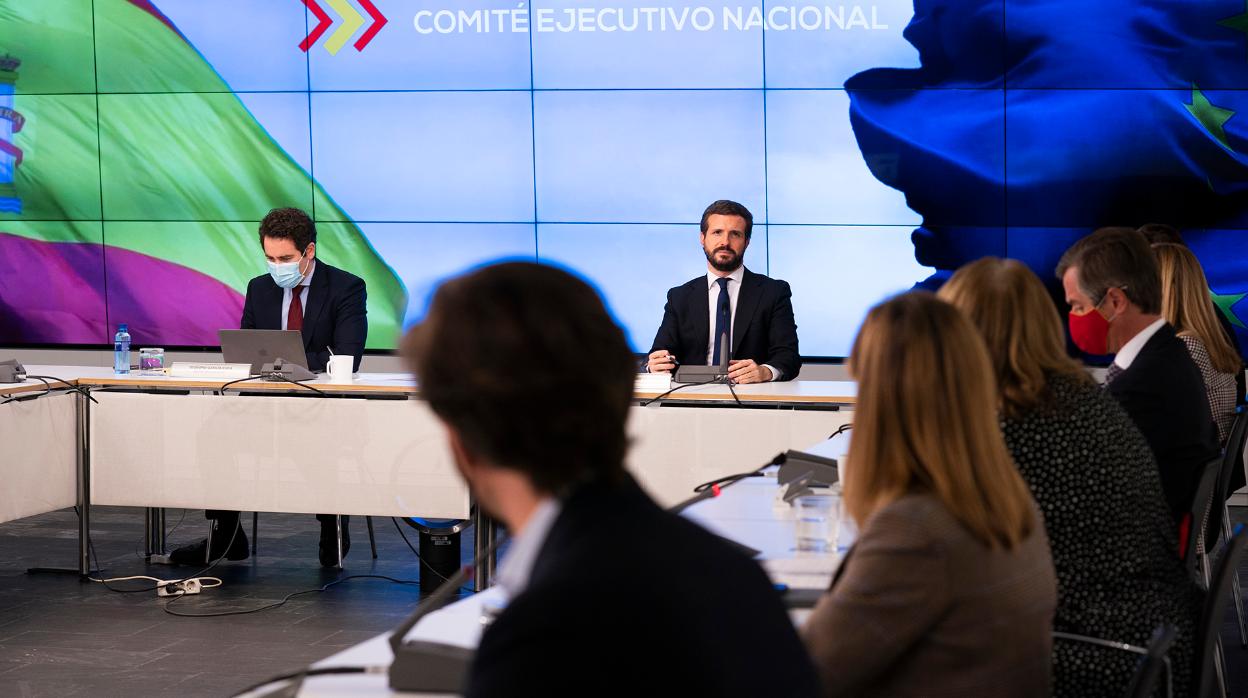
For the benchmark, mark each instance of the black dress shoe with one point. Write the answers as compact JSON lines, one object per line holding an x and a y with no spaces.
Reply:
{"x":194,"y":553}
{"x":328,"y":551}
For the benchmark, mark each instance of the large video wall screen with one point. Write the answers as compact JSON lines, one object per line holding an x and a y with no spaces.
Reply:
{"x":142,"y":141}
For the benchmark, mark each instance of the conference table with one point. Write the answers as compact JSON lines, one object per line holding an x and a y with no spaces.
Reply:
{"x":368,"y":448}
{"x":749,"y":512}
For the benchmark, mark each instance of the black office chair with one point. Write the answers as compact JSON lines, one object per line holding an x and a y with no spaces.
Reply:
{"x":1153,"y":660}
{"x":1219,"y":520}
{"x":1209,"y":664}
{"x":1201,"y":503}
{"x":255,"y":524}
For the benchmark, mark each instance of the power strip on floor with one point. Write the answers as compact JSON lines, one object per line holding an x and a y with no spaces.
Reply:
{"x":179,"y":587}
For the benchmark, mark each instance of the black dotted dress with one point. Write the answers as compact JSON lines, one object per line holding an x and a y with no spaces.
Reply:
{"x":1114,"y":546}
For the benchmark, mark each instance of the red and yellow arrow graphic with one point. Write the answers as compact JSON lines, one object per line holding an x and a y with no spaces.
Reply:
{"x":352,"y":20}
{"x":379,"y":21}
{"x":322,"y":23}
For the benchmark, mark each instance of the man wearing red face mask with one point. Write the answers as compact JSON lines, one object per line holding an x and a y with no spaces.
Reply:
{"x":1113,"y":287}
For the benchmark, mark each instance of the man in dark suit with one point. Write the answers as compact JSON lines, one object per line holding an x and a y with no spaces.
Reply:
{"x":1113,"y":287}
{"x":326,"y":304}
{"x":752,"y":309}
{"x":330,"y":309}
{"x":608,"y":593}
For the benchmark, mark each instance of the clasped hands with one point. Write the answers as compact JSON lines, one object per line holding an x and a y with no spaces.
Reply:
{"x":740,"y":371}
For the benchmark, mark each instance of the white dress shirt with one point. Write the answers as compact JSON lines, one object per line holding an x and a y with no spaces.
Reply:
{"x":303,"y":295}
{"x":712,"y":300}
{"x":1126,"y":355}
{"x":516,"y":569}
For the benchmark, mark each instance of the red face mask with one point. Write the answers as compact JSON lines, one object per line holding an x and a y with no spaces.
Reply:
{"x":1090,"y":331}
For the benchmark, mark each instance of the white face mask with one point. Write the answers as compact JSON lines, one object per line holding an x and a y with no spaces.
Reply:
{"x":286,"y":274}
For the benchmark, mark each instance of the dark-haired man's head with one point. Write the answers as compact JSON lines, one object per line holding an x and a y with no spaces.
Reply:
{"x":1160,"y":233}
{"x":1113,"y":287}
{"x":533,"y":379}
{"x":726,"y":228}
{"x":288,"y":237}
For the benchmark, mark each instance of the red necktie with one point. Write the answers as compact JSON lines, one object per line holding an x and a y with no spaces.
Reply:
{"x":294,"y":317}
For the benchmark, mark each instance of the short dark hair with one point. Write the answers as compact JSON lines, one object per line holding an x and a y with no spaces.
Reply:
{"x":1116,"y":258}
{"x":524,"y":361}
{"x":288,"y":224}
{"x":1159,"y":233}
{"x":724,"y":207}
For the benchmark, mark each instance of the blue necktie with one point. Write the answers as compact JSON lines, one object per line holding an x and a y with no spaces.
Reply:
{"x":723,"y":319}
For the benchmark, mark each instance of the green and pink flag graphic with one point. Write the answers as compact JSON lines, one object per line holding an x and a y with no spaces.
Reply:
{"x":140,"y":204}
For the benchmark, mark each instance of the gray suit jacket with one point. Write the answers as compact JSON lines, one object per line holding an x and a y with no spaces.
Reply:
{"x":920,"y":608}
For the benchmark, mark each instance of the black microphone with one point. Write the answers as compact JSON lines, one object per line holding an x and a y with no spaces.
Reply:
{"x":12,"y":371}
{"x":433,"y":667}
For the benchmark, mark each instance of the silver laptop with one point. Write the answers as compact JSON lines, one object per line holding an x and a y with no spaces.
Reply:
{"x":259,"y":347}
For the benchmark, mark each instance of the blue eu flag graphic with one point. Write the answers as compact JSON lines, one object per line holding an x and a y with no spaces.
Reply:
{"x":1032,"y":122}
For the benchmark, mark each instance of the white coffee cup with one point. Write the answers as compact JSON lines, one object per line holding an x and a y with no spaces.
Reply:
{"x":340,"y":369}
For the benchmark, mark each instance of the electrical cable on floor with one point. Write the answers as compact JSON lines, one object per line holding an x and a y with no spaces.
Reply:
{"x":284,"y":600}
{"x":421,"y":560}
{"x":158,"y":581}
{"x":198,"y":575}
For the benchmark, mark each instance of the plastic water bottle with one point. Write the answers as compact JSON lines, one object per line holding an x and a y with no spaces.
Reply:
{"x":121,"y":350}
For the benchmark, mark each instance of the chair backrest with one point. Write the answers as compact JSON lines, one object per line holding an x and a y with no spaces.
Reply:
{"x":1200,"y":506}
{"x":1232,"y":460}
{"x":1211,"y":616}
{"x":1144,"y":681}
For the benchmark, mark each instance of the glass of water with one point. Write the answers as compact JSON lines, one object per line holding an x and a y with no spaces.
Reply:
{"x":817,"y":516}
{"x":151,"y":361}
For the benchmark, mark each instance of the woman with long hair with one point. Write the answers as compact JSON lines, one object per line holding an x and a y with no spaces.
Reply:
{"x":1185,"y":304}
{"x":949,"y":589}
{"x":1094,"y":478}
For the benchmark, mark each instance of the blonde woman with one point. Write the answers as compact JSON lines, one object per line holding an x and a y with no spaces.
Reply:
{"x":1094,"y":478}
{"x":1185,"y":304}
{"x":949,"y":590}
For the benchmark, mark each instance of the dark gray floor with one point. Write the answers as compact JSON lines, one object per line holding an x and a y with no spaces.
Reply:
{"x":63,"y":637}
{"x":60,"y":636}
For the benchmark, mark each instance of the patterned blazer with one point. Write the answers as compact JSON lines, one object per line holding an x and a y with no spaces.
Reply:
{"x":1220,"y":387}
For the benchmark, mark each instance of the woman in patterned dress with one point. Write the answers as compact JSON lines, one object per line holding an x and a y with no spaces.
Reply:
{"x":1095,"y":480}
{"x":1185,"y":304}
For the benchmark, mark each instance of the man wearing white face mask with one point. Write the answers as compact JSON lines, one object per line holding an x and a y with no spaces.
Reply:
{"x":327,"y":305}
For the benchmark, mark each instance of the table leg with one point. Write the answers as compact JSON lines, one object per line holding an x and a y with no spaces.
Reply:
{"x":84,"y":485}
{"x":483,"y":538}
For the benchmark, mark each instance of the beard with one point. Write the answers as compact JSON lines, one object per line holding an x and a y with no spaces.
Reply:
{"x":730,"y":265}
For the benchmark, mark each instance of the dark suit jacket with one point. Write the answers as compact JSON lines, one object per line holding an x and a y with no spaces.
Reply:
{"x":1165,"y":396}
{"x":919,"y":607}
{"x":763,"y":326}
{"x":626,"y":599}
{"x":335,"y":315}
